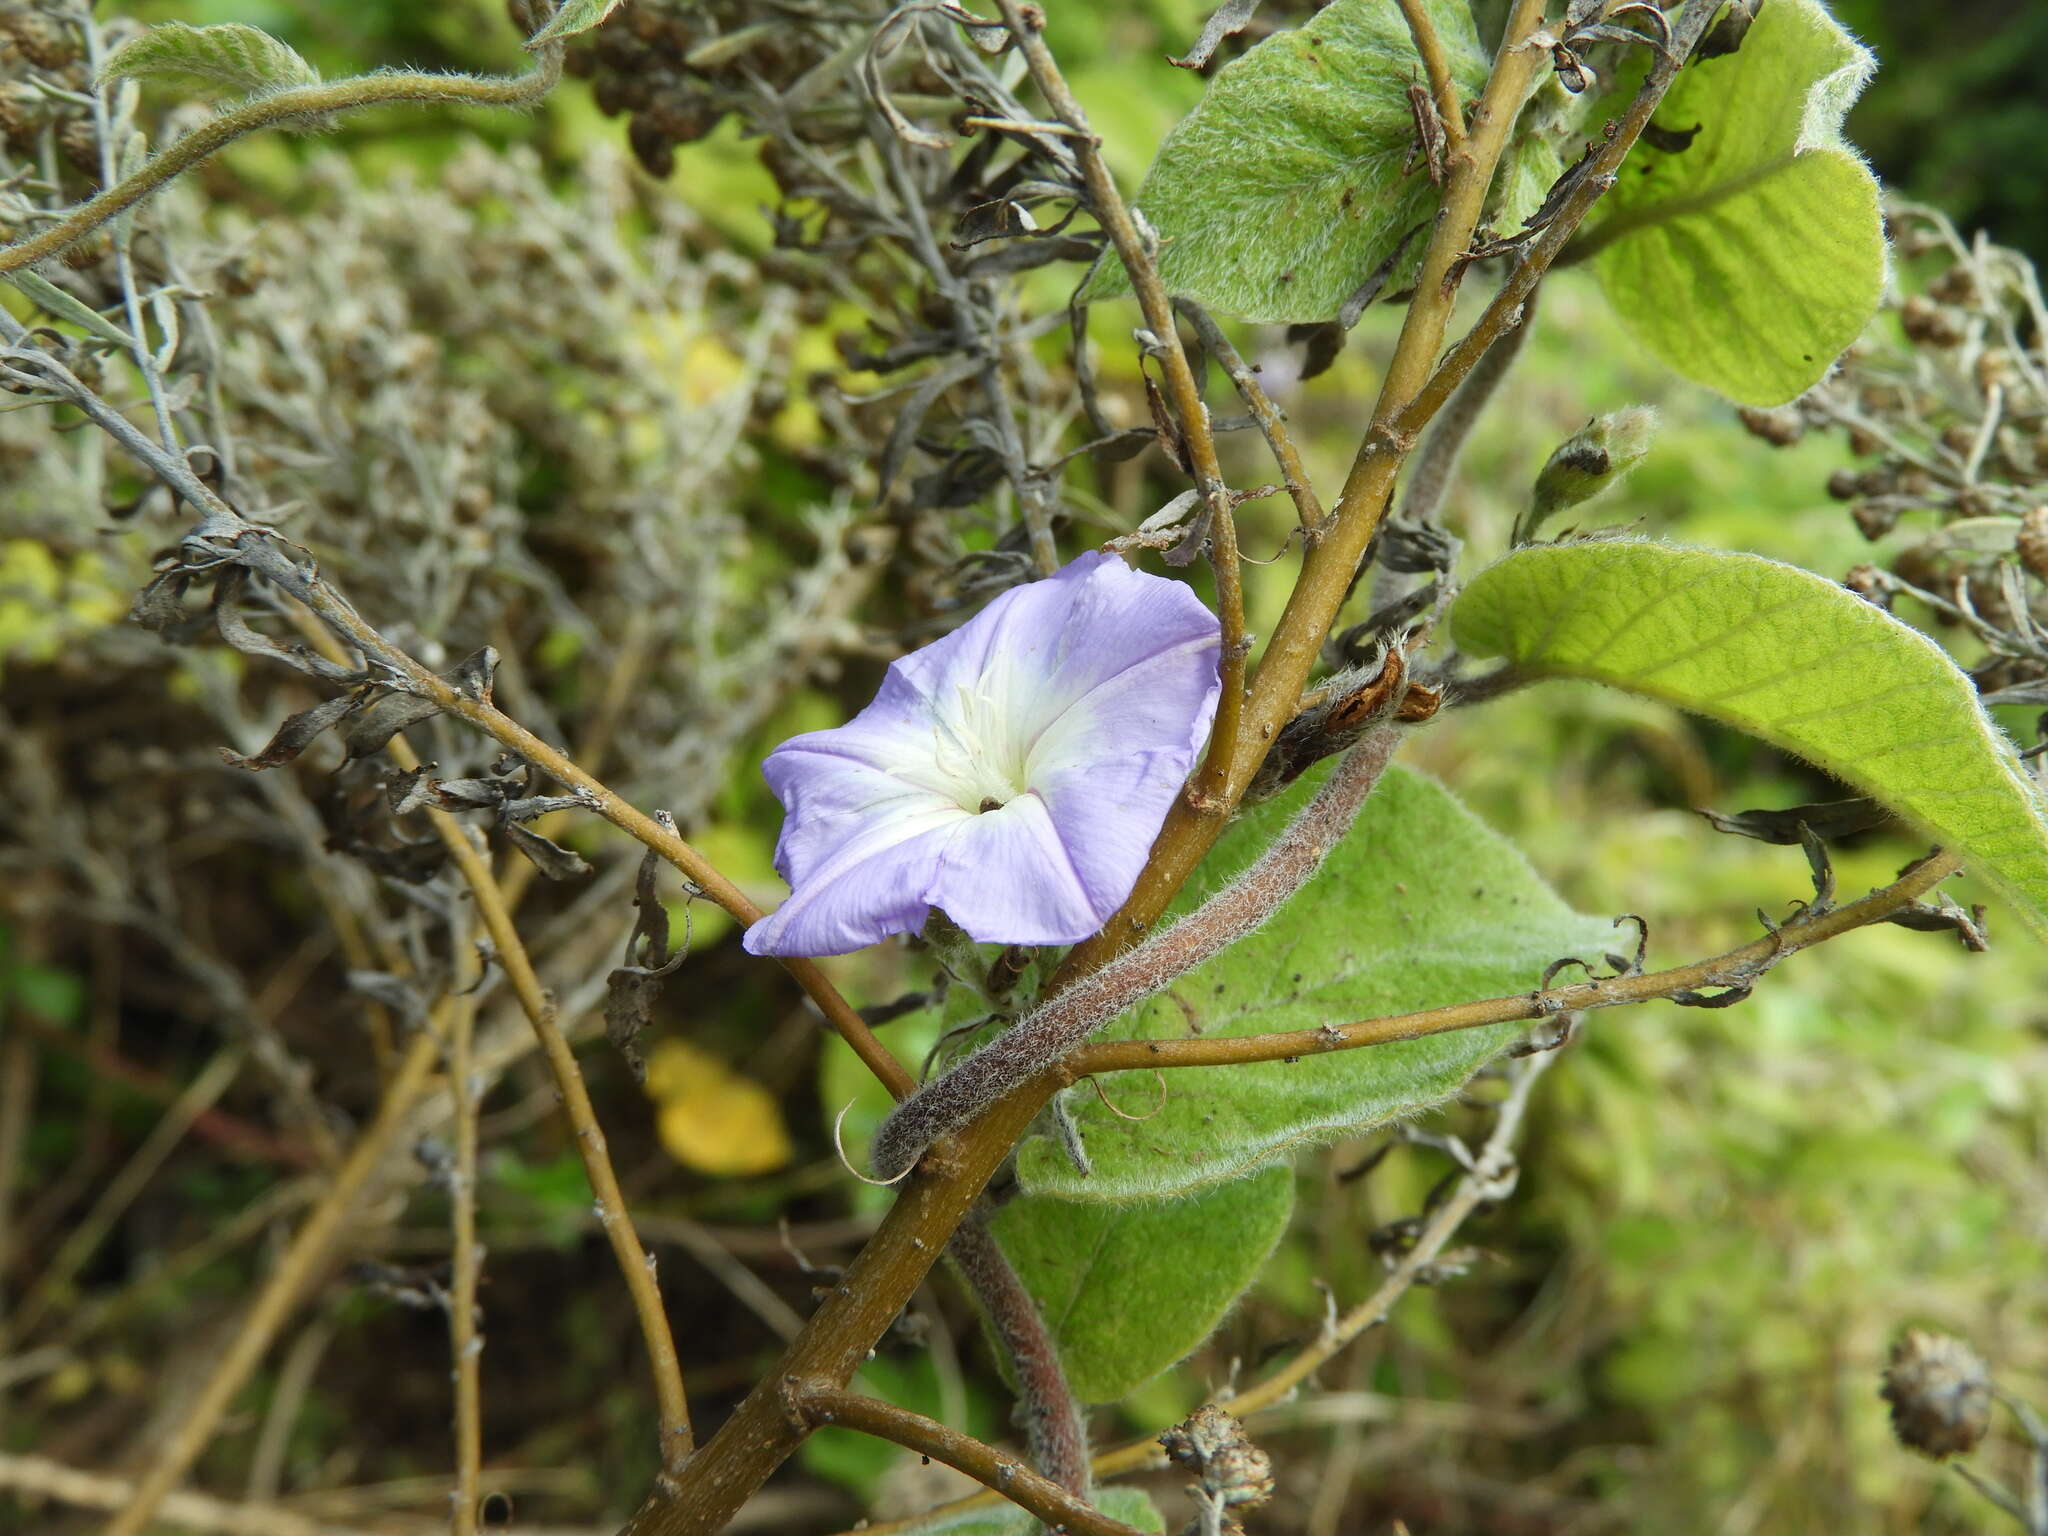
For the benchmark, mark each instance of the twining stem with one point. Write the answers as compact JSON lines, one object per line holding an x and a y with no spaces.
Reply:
{"x":1050,"y":1033}
{"x":1738,"y":967}
{"x":1332,"y":561}
{"x":280,"y":1293}
{"x":301,"y":105}
{"x":818,"y":1404}
{"x":1054,"y":1430}
{"x":1026,"y":23}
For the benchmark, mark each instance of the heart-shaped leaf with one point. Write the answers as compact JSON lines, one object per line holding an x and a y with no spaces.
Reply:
{"x":1284,"y":189}
{"x":1130,"y":1505}
{"x":1129,"y":1290}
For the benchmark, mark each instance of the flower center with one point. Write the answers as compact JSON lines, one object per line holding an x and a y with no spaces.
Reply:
{"x":988,"y":803}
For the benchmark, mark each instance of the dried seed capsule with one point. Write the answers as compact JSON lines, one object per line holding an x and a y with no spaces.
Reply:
{"x":1868,"y":583}
{"x":1875,"y":518}
{"x":44,"y":40}
{"x":1958,"y":439}
{"x":1781,"y":427}
{"x":1931,"y":324}
{"x":1958,"y":285}
{"x":1842,"y":485}
{"x":1214,"y":1446}
{"x":655,"y":150}
{"x":1940,"y":1392}
{"x":2033,"y":542}
{"x":1994,"y":366}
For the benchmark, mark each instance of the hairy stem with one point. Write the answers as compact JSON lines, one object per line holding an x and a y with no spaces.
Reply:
{"x":1053,"y":1427}
{"x":1059,"y":1508}
{"x":1492,"y":1169}
{"x":1047,"y":1036}
{"x":299,"y":105}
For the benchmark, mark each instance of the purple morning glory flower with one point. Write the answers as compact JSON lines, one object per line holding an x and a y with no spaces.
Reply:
{"x":1013,"y":774}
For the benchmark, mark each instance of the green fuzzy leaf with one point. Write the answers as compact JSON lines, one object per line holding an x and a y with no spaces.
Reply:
{"x":574,"y":18}
{"x":241,"y":58}
{"x":1750,"y":260}
{"x":1421,"y":905}
{"x":1282,"y":192}
{"x":1787,"y":656}
{"x":1130,"y":1505}
{"x":1189,"y":1260}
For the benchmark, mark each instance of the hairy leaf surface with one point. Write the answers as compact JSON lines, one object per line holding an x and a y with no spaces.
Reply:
{"x":1421,"y":905}
{"x":1751,"y":258}
{"x":572,"y":20}
{"x":1129,"y":1290}
{"x":1787,"y":656}
{"x":238,"y":57}
{"x":1130,"y":1505}
{"x":1283,"y":191}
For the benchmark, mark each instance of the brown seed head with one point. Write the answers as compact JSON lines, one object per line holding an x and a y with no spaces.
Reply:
{"x":1940,"y":1392}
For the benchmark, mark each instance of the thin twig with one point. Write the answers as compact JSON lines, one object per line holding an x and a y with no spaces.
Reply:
{"x":1738,"y":967}
{"x":1026,"y":24}
{"x":124,"y":233}
{"x":1436,"y":457}
{"x":1272,"y":421}
{"x":465,"y":1342}
{"x":40,"y":1477}
{"x":635,"y":1263}
{"x":121,"y":1191}
{"x":281,"y":1292}
{"x":224,"y":535}
{"x":818,"y":1403}
{"x":1437,"y":65}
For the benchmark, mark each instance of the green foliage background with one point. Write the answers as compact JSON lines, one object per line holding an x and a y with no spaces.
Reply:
{"x":1724,"y":1217}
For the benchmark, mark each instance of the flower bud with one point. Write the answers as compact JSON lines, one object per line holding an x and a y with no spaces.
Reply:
{"x":1587,"y":463}
{"x":1940,"y":1392}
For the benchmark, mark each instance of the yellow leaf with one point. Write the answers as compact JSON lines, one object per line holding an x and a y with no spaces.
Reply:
{"x":712,"y":1119}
